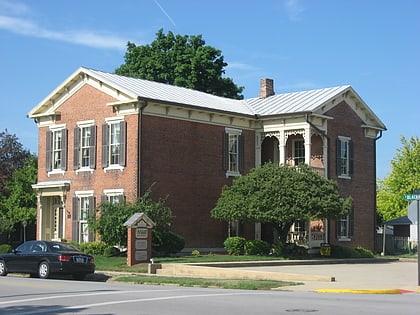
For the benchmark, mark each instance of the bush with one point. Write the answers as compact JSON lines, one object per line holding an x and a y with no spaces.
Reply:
{"x":257,"y":247}
{"x":94,"y":248}
{"x":350,"y":252}
{"x":166,"y":243}
{"x":5,"y":248}
{"x":111,"y":251}
{"x":235,"y":245}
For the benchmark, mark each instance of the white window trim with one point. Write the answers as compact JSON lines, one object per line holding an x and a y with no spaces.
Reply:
{"x":55,"y":128}
{"x":84,"y":124}
{"x":346,"y":139}
{"x":238,"y":132}
{"x":345,"y":238}
{"x":109,"y":121}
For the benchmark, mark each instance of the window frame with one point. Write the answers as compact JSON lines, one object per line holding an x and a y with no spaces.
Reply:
{"x":346,"y":220}
{"x":301,"y":158}
{"x":80,"y":148}
{"x":107,"y":139}
{"x":113,"y":196}
{"x":52,"y":150}
{"x":344,"y":163}
{"x":232,"y":167}
{"x":78,"y":221}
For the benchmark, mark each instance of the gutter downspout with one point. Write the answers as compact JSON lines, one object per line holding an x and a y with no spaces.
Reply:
{"x":140,"y":147}
{"x":327,"y":227}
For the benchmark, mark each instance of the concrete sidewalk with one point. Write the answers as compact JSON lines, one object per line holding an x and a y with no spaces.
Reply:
{"x":324,"y":275}
{"x":390,"y":277}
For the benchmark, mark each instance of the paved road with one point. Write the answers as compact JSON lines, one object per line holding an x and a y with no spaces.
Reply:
{"x":378,"y":276}
{"x":30,"y":296}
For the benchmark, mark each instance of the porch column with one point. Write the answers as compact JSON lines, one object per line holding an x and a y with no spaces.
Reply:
{"x":307,"y":137}
{"x":282,"y":148}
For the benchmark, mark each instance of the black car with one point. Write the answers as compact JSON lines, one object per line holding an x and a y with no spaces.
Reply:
{"x":44,"y":258}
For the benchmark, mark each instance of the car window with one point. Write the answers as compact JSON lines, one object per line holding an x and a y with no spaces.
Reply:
{"x":56,"y":247}
{"x":25,"y":247}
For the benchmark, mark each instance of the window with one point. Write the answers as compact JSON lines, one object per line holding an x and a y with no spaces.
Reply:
{"x":113,"y":144}
{"x":233,"y":154}
{"x":299,"y":151}
{"x":85,"y":146}
{"x":83,"y":206}
{"x":56,"y":149}
{"x":344,"y":157}
{"x":344,"y":228}
{"x":113,"y":196}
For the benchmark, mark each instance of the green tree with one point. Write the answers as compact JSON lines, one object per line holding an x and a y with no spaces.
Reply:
{"x":280,"y":195}
{"x":18,"y":203}
{"x":182,"y":61}
{"x":12,"y":156}
{"x":109,"y":221}
{"x":403,"y":179}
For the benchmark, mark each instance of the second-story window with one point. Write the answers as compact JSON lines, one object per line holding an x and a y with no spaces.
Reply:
{"x":85,"y":146}
{"x":344,"y":157}
{"x":114,"y":144}
{"x":56,"y":149}
{"x":233,"y":154}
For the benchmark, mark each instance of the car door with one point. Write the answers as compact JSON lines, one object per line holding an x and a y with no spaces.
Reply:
{"x":17,"y":261}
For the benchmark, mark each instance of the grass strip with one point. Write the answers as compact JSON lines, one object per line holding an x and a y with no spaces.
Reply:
{"x":207,"y":283}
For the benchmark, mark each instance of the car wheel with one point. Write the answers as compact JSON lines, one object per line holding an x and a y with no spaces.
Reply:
{"x":3,"y":269}
{"x":43,"y":270}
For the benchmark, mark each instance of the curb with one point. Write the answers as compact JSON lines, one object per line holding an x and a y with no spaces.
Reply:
{"x":389,"y":291}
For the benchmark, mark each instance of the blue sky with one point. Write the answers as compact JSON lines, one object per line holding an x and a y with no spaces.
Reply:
{"x":373,"y":46}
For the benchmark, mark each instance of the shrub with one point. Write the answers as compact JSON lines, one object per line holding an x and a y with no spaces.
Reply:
{"x":257,"y":247}
{"x":94,"y":248}
{"x":111,"y":251}
{"x":235,"y":245}
{"x":350,"y":252}
{"x":5,"y":248}
{"x":165,"y":243}
{"x":195,"y":253}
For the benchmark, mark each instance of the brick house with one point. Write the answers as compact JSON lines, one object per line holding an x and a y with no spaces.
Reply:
{"x":107,"y":137}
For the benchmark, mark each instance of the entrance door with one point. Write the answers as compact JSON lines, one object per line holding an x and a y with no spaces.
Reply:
{"x":52,"y":219}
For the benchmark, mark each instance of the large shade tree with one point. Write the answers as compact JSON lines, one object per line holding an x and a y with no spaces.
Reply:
{"x":403,"y":179}
{"x":182,"y":61}
{"x":280,"y":195}
{"x":18,"y":201}
{"x":12,"y":156}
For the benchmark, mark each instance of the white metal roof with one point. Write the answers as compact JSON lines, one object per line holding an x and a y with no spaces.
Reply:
{"x":287,"y":103}
{"x":311,"y":101}
{"x":170,"y":93}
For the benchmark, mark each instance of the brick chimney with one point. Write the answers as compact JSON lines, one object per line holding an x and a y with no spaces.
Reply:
{"x":266,"y":88}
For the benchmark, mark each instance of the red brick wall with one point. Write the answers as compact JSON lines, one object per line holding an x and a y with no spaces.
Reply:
{"x":184,"y":159}
{"x":86,"y":104}
{"x":362,"y":185}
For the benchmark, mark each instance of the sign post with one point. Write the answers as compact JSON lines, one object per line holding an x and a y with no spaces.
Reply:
{"x":416,"y":196}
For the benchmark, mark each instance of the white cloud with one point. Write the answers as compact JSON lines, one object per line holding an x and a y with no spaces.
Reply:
{"x":294,"y":9}
{"x":81,"y":37}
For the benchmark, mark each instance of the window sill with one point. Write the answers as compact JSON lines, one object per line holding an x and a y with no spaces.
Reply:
{"x":56,"y":172}
{"x":114,"y":168}
{"x":85,"y":169}
{"x":344,"y":176}
{"x":344,"y":239}
{"x":232,"y":174}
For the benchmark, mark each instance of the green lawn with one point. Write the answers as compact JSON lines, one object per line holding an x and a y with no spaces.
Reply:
{"x":120,"y":264}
